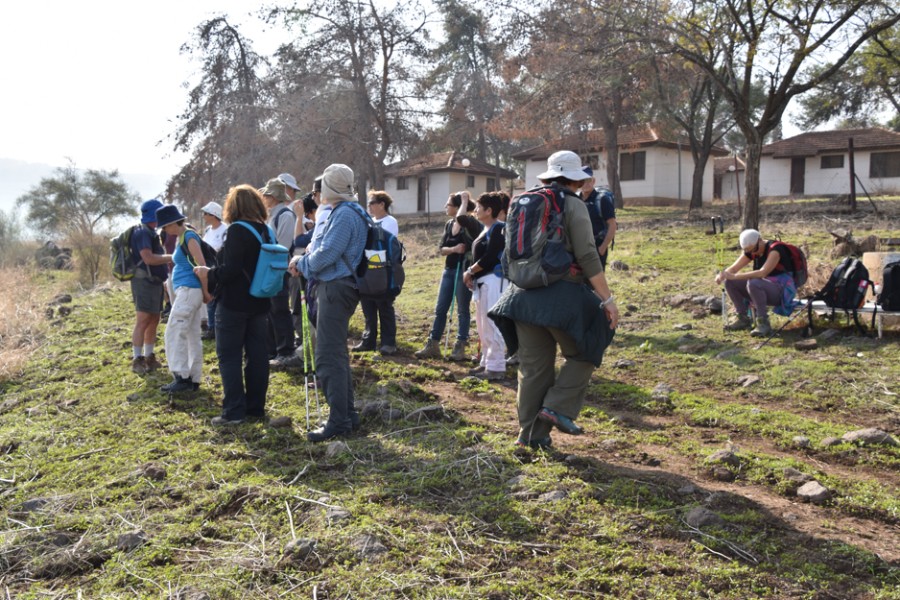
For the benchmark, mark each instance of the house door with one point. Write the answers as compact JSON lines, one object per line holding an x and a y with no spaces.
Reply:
{"x":421,"y":205}
{"x":798,"y":176}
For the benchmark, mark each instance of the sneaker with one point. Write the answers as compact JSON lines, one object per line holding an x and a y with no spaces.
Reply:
{"x":459,"y":351}
{"x":152,"y":363}
{"x":739,"y":323}
{"x":432,"y":349}
{"x":476,"y":370}
{"x":139,"y":365}
{"x":223,"y":422}
{"x":562,"y":422}
{"x":488,"y":375}
{"x":363,"y":346}
{"x":513,"y":360}
{"x":325,"y":433}
{"x":283,"y":361}
{"x":534,"y":443}
{"x":388,"y":350}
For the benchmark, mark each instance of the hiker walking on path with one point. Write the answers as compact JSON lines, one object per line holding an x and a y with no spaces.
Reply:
{"x":456,"y":245}
{"x":147,"y":288}
{"x":184,"y":346}
{"x":241,"y":319}
{"x":332,"y":264}
{"x":579,"y":319}
{"x":770,"y":283}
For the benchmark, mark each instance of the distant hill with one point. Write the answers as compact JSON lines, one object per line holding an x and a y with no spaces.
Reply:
{"x":17,"y":177}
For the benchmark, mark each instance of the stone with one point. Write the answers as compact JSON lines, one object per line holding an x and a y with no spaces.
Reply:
{"x":130,"y":541}
{"x":662,"y":391}
{"x":335,"y":515}
{"x":367,"y":546}
{"x":282,"y":422}
{"x":828,"y":334}
{"x":611,"y":444}
{"x":692,"y":348}
{"x":623,"y":363}
{"x":792,"y":474}
{"x":391,"y":414}
{"x":870,"y":435}
{"x":813,"y":491}
{"x":33,"y":505}
{"x":683,"y":327}
{"x":336,"y":449}
{"x":434,"y":412}
{"x":687,"y":489}
{"x":800,"y":441}
{"x":62,"y":299}
{"x":153,"y":472}
{"x":724,"y":457}
{"x":618,"y":265}
{"x":374,"y":409}
{"x":806,"y":345}
{"x":727,"y":354}
{"x":699,"y":517}
{"x":687,"y":338}
{"x":516,"y":481}
{"x":676,"y":300}
{"x":714,"y":305}
{"x":748,"y":380}
{"x":830,"y":441}
{"x":721,"y":473}
{"x":299,"y":550}
{"x":554,"y":496}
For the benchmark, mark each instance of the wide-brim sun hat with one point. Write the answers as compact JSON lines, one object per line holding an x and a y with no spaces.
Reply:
{"x":337,"y":182}
{"x":275,"y":188}
{"x":167,"y":215}
{"x":214,"y":209}
{"x":148,"y":210}
{"x":564,"y":163}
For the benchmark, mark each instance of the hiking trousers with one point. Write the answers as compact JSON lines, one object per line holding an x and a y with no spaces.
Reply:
{"x":184,"y":347}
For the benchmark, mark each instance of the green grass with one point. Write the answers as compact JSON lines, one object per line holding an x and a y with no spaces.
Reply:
{"x":90,"y":451}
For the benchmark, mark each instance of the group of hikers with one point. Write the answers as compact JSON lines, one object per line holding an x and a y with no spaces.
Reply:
{"x":527,"y":307}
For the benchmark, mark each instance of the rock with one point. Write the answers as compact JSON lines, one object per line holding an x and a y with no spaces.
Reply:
{"x":64,"y":311}
{"x":692,"y":348}
{"x":687,"y":489}
{"x":611,"y":444}
{"x":553,"y":496}
{"x":796,"y":476}
{"x":699,"y":517}
{"x":7,"y":447}
{"x":721,"y":473}
{"x":632,"y":308}
{"x":800,"y":441}
{"x":728,"y":354}
{"x":662,"y":391}
{"x":806,"y":345}
{"x":367,"y":546}
{"x":33,"y":505}
{"x":62,"y":299}
{"x":282,"y":422}
{"x":623,"y":363}
{"x":335,"y":515}
{"x":618,"y":265}
{"x":374,"y":409}
{"x":336,"y":449}
{"x":683,"y":327}
{"x":748,"y":380}
{"x":714,"y":305}
{"x":391,"y":414}
{"x":828,"y":334}
{"x":299,"y":550}
{"x":676,"y":300}
{"x":830,"y":441}
{"x":153,"y":472}
{"x":869,"y":436}
{"x":700,"y":313}
{"x":516,"y":481}
{"x":813,"y":491}
{"x":724,"y":457}
{"x":435,"y":412}
{"x":700,"y":300}
{"x":687,"y":338}
{"x":130,"y":541}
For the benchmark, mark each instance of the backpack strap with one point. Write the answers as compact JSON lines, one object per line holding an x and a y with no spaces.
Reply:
{"x":258,"y":237}
{"x":183,"y":242}
{"x":368,"y":222}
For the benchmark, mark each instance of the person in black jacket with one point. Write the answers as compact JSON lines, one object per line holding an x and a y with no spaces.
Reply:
{"x":456,"y":245}
{"x":241,"y":319}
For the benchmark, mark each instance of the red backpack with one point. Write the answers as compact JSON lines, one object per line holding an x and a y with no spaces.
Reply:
{"x":797,"y":267}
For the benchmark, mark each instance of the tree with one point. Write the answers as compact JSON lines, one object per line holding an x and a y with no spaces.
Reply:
{"x":867,"y":84}
{"x":775,"y":41}
{"x":73,"y":206}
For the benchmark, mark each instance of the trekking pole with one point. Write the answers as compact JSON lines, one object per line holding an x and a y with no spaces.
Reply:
{"x":720,"y":258}
{"x":450,"y":312}
{"x":779,"y":330}
{"x":309,"y":357}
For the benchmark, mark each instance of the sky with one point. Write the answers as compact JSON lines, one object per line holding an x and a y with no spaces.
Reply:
{"x":101,"y":82}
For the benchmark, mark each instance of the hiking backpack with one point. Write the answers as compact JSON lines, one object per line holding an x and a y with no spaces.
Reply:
{"x":271,"y":266}
{"x":798,"y":268}
{"x":595,"y":211}
{"x":846,"y":289}
{"x":535,"y":253}
{"x":121,"y":256}
{"x":209,"y":253}
{"x":889,"y":298}
{"x":380,"y":269}
{"x":498,"y":268}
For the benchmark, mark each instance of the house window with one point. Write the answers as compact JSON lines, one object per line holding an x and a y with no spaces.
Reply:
{"x":884,"y":164}
{"x":402,"y":184}
{"x":833,"y":162}
{"x":492,"y":184}
{"x":470,"y":181}
{"x":633,"y":166}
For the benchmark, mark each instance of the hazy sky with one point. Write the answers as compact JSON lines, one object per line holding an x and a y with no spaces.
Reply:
{"x":100,"y":81}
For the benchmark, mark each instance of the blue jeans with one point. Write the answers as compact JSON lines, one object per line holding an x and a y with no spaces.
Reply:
{"x":211,"y":314}
{"x":379,"y":308}
{"x":237,"y":334}
{"x":445,"y":296}
{"x":337,"y":302}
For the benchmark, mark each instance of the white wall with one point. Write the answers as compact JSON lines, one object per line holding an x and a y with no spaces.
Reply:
{"x":733,"y":186}
{"x":775,"y":177}
{"x":438,"y":187}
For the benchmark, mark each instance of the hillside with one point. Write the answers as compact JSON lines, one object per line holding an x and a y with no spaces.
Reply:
{"x":684,"y":486}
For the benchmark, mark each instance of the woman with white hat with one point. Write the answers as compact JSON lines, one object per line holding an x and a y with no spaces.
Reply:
{"x":184,"y":348}
{"x":214,"y":235}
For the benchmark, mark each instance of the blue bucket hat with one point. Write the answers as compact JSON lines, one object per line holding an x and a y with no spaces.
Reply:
{"x":167,"y":215}
{"x":148,"y":210}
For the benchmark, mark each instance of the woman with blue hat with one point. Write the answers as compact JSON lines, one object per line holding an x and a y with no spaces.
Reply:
{"x":184,"y":346}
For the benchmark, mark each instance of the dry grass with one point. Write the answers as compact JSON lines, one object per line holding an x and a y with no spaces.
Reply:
{"x":22,"y":320}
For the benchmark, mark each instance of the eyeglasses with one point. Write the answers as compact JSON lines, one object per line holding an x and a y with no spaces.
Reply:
{"x":371,"y":202}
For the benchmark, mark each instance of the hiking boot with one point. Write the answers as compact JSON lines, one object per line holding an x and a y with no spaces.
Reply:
{"x":432,"y":349}
{"x":562,"y":422}
{"x":476,"y":370}
{"x":534,"y":443}
{"x":223,"y":422}
{"x":388,"y":350}
{"x":488,"y":375}
{"x":284,"y":361}
{"x":209,"y":334}
{"x":513,"y":360}
{"x":739,"y":323}
{"x":139,"y":365}
{"x":763,"y":328}
{"x":152,"y":363}
{"x":363,"y":346}
{"x":180,"y":384}
{"x":459,"y":351}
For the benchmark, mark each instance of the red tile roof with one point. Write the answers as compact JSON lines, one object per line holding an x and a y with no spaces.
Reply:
{"x":830,"y":142}
{"x":635,"y":136}
{"x":445,"y":161}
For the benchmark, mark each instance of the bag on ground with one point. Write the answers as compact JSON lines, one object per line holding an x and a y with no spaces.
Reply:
{"x":846,"y":289}
{"x":121,"y":256}
{"x":271,"y":267}
{"x":889,"y":298}
{"x":535,"y":253}
{"x":798,"y":267}
{"x":379,"y":271}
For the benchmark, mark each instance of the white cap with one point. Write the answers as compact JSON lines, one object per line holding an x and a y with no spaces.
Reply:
{"x":749,"y":237}
{"x":214,"y":209}
{"x":289,"y":180}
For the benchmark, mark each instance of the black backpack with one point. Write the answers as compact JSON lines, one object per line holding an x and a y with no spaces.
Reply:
{"x":380,"y":269}
{"x":209,"y":253}
{"x":889,"y":298}
{"x":846,"y":290}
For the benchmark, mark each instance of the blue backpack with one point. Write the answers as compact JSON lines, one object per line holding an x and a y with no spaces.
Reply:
{"x":271,"y":266}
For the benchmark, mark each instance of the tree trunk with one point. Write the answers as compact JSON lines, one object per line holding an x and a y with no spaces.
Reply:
{"x":751,"y":181}
{"x":612,"y":163}
{"x":700,"y":160}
